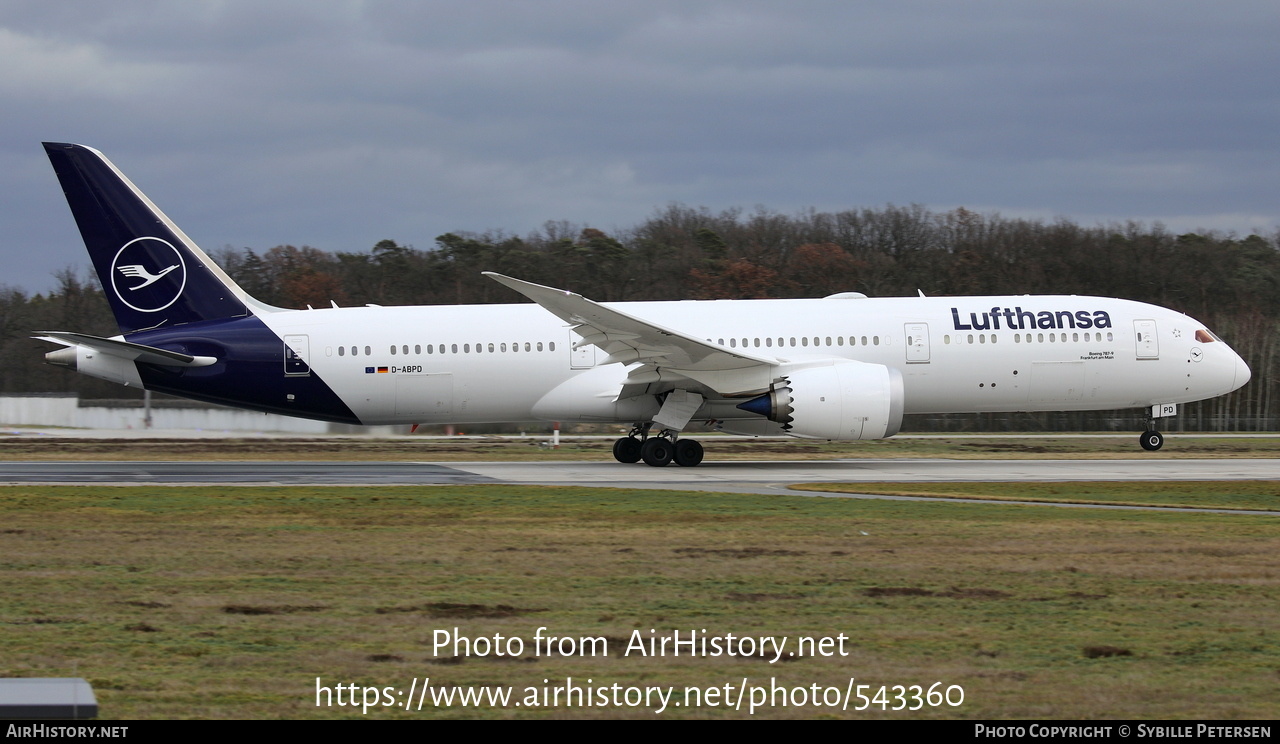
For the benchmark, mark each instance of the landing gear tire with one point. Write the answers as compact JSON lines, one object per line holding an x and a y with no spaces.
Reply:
{"x":1152,"y":440}
{"x":657,"y":451}
{"x":688,"y":453}
{"x":627,"y":449}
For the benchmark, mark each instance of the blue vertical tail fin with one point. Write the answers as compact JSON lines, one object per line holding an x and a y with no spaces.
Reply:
{"x":153,"y":275}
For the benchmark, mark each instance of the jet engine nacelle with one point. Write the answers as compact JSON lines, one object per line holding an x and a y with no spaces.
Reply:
{"x":843,"y":400}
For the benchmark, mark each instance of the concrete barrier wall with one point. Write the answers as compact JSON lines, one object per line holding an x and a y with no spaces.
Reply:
{"x":65,"y":410}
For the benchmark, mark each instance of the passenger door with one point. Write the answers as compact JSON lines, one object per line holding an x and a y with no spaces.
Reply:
{"x":1144,"y":333}
{"x":297,"y":355}
{"x":917,"y":343}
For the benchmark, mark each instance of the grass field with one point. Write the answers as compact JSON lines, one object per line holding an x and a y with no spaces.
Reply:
{"x":1242,"y":495}
{"x":230,"y":602}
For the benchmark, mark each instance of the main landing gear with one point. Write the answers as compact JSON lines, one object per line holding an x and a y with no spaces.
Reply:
{"x":627,"y":449}
{"x":658,"y":451}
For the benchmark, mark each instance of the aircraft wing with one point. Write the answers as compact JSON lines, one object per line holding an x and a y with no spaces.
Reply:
{"x":126,"y":350}
{"x":628,"y":339}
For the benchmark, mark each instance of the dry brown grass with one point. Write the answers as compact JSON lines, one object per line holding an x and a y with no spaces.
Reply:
{"x":203,"y":602}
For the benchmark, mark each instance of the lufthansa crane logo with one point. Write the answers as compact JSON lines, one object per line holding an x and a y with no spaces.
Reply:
{"x":140,"y":271}
{"x":148,"y":274}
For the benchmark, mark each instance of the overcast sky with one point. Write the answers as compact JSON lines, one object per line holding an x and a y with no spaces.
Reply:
{"x":338,"y":124}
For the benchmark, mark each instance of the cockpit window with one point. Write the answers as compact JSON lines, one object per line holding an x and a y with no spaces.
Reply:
{"x":1205,"y":337}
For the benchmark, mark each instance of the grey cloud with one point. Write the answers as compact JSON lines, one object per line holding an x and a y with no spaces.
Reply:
{"x":337,"y":124}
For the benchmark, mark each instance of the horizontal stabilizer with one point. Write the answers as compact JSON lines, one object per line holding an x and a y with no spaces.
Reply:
{"x":126,"y":350}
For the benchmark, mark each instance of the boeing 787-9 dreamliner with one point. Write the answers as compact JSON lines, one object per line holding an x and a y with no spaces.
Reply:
{"x":843,"y":367}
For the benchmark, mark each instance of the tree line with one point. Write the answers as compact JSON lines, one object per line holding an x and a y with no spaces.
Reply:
{"x":1228,"y":281}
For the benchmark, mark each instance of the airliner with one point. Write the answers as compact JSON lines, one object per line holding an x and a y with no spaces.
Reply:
{"x":843,"y":367}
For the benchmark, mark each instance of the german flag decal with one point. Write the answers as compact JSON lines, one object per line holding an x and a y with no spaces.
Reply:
{"x":383,"y":370}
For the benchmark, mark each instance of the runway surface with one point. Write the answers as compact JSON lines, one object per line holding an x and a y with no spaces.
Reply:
{"x":770,"y":477}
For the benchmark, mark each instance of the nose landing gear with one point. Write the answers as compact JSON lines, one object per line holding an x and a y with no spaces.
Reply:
{"x":1151,"y":439}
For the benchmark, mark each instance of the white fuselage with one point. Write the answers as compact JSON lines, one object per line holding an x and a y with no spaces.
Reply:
{"x":502,"y":363}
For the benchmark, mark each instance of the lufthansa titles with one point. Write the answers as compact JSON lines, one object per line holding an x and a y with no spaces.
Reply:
{"x":1017,"y":319}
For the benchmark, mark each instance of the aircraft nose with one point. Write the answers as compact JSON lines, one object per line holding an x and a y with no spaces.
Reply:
{"x":1242,"y":373}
